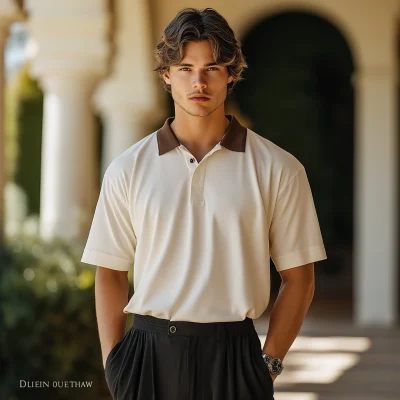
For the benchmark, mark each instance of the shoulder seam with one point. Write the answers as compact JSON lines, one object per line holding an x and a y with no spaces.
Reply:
{"x":294,"y":177}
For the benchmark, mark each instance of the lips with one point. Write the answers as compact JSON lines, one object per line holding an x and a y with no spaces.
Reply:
{"x":200,"y":98}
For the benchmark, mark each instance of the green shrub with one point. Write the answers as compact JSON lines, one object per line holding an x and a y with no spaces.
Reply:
{"x":49,"y":329}
{"x":23,"y":131}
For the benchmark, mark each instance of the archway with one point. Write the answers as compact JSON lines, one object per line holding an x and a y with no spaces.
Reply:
{"x":298,"y":94}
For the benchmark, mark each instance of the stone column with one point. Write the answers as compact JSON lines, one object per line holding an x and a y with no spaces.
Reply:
{"x":128,"y":99}
{"x":69,"y":52}
{"x":376,"y":200}
{"x":69,"y":173}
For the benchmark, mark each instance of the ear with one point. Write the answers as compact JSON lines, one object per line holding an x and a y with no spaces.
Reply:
{"x":166,"y":77}
{"x":230,"y":78}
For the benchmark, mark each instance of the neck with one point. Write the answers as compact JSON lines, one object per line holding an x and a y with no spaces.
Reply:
{"x":200,"y":132}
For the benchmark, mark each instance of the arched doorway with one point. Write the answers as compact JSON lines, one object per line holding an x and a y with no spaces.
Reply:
{"x":298,"y":94}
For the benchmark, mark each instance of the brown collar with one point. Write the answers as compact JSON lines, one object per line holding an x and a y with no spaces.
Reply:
{"x":234,"y":138}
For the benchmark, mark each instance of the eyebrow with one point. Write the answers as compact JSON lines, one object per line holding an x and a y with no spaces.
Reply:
{"x":191,"y":65}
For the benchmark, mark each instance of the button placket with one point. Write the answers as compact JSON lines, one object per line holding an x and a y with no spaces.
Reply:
{"x":194,"y":194}
{"x":199,"y":187}
{"x":190,"y":161}
{"x":196,"y":190}
{"x":197,"y":181}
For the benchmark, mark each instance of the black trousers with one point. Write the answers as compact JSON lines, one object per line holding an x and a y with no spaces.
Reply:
{"x":159,"y":359}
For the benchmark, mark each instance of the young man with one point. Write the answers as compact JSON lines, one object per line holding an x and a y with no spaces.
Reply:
{"x":200,"y":206}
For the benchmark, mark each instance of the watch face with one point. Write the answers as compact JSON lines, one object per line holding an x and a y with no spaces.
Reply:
{"x":276,"y":366}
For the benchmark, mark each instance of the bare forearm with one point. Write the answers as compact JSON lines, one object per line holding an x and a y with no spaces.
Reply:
{"x":111,"y":291}
{"x":287,"y":317}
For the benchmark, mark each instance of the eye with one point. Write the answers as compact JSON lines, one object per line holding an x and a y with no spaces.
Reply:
{"x":213,"y":68}
{"x":183,"y":69}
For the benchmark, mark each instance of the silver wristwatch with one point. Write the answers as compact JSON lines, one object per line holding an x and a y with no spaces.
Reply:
{"x":274,"y":365}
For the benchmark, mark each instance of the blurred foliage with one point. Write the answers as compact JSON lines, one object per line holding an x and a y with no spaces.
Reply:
{"x":23,"y":133}
{"x":10,"y":130}
{"x":47,"y":314}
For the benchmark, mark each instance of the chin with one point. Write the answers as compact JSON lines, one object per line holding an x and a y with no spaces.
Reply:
{"x":204,"y":113}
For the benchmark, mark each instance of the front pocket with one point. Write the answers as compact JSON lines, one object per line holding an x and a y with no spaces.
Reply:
{"x":112,"y":351}
{"x":259,"y":357}
{"x":262,"y":362}
{"x":115,"y":360}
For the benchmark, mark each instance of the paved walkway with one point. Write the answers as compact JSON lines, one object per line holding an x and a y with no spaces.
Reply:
{"x":332,"y":359}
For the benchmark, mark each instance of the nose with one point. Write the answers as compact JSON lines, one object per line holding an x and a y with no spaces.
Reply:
{"x":199,"y":81}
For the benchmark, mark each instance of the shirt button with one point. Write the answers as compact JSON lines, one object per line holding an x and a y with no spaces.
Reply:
{"x":172,"y":329}
{"x":192,"y":160}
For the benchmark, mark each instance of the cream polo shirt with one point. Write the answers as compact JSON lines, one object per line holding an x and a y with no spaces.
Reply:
{"x":201,"y":234}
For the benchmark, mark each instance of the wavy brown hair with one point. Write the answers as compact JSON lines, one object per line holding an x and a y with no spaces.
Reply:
{"x":191,"y":24}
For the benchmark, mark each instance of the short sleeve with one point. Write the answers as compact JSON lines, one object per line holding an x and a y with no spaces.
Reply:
{"x":295,"y":235}
{"x":111,"y":242}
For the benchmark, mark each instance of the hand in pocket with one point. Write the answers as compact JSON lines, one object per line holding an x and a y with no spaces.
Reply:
{"x":107,"y":354}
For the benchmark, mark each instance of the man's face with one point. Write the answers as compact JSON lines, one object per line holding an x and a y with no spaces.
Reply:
{"x":198,"y":84}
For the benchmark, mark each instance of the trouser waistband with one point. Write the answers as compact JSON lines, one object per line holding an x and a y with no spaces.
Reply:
{"x":187,"y":328}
